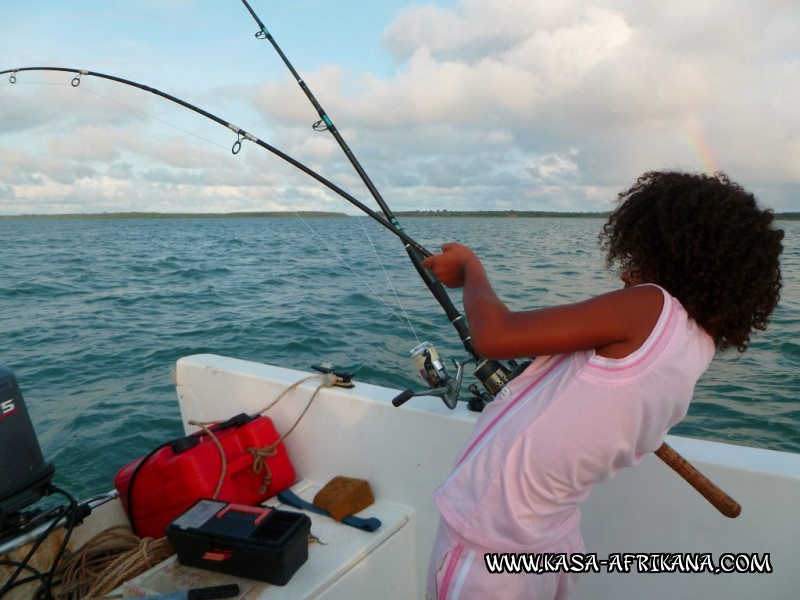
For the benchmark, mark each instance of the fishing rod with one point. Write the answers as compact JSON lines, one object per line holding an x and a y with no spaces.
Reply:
{"x":492,"y":374}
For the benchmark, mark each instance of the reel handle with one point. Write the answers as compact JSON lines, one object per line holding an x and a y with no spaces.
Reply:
{"x":403,"y":397}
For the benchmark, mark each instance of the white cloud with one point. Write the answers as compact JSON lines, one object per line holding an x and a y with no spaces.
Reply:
{"x":528,"y":104}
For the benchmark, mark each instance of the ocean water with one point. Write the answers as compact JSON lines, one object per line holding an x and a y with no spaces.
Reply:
{"x":94,"y":314}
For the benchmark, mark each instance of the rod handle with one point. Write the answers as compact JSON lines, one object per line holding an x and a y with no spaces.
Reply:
{"x":707,"y":488}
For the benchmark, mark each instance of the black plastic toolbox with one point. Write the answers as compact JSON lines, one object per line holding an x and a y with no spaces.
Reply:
{"x":259,"y":543}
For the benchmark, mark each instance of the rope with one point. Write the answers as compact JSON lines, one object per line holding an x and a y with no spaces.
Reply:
{"x":224,"y":468}
{"x":260,"y":455}
{"x":106,"y":561}
{"x":293,"y":386}
{"x":328,"y":380}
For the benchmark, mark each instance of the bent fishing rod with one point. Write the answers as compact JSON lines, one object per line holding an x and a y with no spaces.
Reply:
{"x":242,"y":136}
{"x":492,"y":374}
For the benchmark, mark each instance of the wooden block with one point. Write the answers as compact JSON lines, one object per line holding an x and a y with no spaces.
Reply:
{"x":344,"y":496}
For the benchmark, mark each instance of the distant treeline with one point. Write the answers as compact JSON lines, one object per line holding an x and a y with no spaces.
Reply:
{"x":502,"y":213}
{"x":791,"y":216}
{"x":157,"y":215}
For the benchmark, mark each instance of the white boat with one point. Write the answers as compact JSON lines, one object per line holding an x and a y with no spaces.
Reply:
{"x":635,"y":520}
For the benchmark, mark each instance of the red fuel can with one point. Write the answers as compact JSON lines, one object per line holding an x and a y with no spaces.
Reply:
{"x":160,"y":486}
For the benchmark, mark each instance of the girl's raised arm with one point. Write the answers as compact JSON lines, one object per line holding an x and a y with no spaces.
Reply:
{"x":613,"y":324}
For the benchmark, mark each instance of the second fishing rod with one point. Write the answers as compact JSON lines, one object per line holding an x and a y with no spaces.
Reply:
{"x":492,"y":374}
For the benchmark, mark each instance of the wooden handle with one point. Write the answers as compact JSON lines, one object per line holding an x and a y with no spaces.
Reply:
{"x":719,"y":499}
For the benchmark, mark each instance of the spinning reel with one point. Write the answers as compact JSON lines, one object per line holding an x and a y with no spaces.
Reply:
{"x":491,"y":373}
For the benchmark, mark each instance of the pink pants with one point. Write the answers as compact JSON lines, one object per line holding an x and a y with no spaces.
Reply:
{"x":457,"y":571}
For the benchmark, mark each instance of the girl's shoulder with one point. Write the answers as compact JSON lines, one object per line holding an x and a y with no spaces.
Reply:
{"x":636,"y":310}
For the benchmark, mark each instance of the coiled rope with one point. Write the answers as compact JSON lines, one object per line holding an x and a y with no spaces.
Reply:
{"x":106,"y":561}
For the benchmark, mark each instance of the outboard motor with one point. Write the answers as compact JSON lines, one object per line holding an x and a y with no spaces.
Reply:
{"x":24,"y":474}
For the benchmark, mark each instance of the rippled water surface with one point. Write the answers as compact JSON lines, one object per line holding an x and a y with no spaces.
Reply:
{"x":94,"y":314}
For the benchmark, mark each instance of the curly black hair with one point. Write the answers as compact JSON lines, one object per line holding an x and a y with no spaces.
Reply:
{"x":707,"y":242}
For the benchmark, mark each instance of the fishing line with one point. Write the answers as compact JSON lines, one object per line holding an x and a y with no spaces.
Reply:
{"x":84,"y":89}
{"x":154,"y":118}
{"x":323,"y":238}
{"x":404,"y":318}
{"x":389,"y":280}
{"x":333,"y":251}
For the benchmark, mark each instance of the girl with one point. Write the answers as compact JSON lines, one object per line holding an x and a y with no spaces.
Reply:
{"x":699,"y":263}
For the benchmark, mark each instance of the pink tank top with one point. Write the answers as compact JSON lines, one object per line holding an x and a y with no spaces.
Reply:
{"x":568,"y":422}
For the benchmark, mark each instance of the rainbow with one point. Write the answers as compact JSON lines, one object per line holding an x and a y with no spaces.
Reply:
{"x":701,"y":145}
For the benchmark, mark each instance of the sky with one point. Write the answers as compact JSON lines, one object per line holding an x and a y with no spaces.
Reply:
{"x":448,"y":105}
